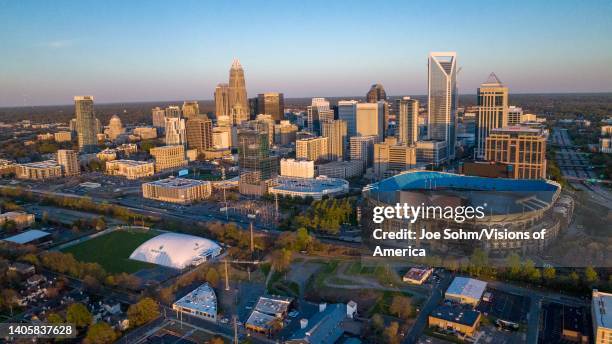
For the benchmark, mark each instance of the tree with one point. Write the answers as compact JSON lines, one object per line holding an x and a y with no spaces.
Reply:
{"x":212,"y":276}
{"x":100,"y":223}
{"x":478,"y":261}
{"x":514,"y":264}
{"x":78,"y":315}
{"x":54,"y":318}
{"x":100,"y":333}
{"x":281,"y":259}
{"x":549,"y":273}
{"x":378,"y":323}
{"x":590,"y":275}
{"x":573,"y":278}
{"x":303,"y":239}
{"x":142,"y":312}
{"x":401,"y":306}
{"x":217,"y":340}
{"x":391,"y":333}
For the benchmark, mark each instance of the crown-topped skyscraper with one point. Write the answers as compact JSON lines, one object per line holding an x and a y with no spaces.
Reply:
{"x":238,"y":102}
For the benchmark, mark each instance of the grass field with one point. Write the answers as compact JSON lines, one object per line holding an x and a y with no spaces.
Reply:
{"x":112,"y":251}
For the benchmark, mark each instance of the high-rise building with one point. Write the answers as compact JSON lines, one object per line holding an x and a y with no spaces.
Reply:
{"x":173,"y":111}
{"x":272,"y":104}
{"x":391,"y":158}
{"x":168,"y":157}
{"x":514,"y":115}
{"x":199,"y":133}
{"x":522,"y":147}
{"x":362,"y":148}
{"x":492,"y":110}
{"x":86,"y":123}
{"x":431,"y":152}
{"x":336,"y":133}
{"x":297,"y":168}
{"x":370,"y":119}
{"x":317,"y":107}
{"x":442,"y":99}
{"x":264,"y":123}
{"x":284,"y":133}
{"x":407,"y":121}
{"x":238,"y":102}
{"x":256,"y":164}
{"x":222,"y":107}
{"x":158,"y":116}
{"x":376,"y":94}
{"x":190,"y":108}
{"x":115,"y":127}
{"x":67,"y":158}
{"x":347,"y":111}
{"x":314,"y":149}
{"x":175,"y":131}
{"x":222,"y":137}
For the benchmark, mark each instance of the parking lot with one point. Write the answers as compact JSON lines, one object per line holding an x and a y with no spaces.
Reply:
{"x":505,"y":306}
{"x":552,"y":322}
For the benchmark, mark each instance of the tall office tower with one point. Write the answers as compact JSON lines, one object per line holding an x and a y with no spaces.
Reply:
{"x":370,"y":119}
{"x":190,"y":108}
{"x":222,"y":107}
{"x":514,"y":115}
{"x":522,"y":147}
{"x":391,"y":157}
{"x":317,"y":106}
{"x":407,"y":121}
{"x":314,"y":149}
{"x":175,"y":131}
{"x":336,"y":133}
{"x":492,"y":110}
{"x":272,"y":104}
{"x":376,"y":94}
{"x":158,"y":116}
{"x":86,"y":123}
{"x":442,"y":99}
{"x":347,"y":111}
{"x":238,"y":102}
{"x":199,"y":133}
{"x":264,"y":123}
{"x":67,"y":158}
{"x":173,"y":111}
{"x":362,"y":148}
{"x":115,"y":127}
{"x":284,"y":133}
{"x":254,"y":158}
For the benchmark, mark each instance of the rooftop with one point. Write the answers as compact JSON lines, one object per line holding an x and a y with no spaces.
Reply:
{"x":27,"y":236}
{"x":319,"y":184}
{"x":176,"y":250}
{"x":202,"y":299}
{"x":468,"y":287}
{"x":273,"y":305}
{"x":456,"y":314}
{"x":172,"y":182}
{"x":129,"y":162}
{"x":42,"y":164}
{"x":323,"y":327}
{"x":262,"y":320}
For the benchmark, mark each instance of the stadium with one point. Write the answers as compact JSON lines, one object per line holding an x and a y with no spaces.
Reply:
{"x":513,"y":204}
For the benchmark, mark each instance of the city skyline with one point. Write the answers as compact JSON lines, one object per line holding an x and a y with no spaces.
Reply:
{"x":128,"y":58}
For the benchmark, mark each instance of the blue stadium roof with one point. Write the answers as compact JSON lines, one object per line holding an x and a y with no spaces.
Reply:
{"x":432,"y":180}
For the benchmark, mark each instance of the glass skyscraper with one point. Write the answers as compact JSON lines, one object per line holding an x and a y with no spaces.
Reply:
{"x":442,"y":99}
{"x":86,"y":123}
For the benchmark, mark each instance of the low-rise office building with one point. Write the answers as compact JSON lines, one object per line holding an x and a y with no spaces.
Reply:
{"x":268,"y":314}
{"x":19,"y":218}
{"x":601,"y":312}
{"x":431,"y":152}
{"x":177,"y":190}
{"x":131,"y":169}
{"x":42,"y":170}
{"x":297,"y":168}
{"x":457,"y":318}
{"x":7,"y":167}
{"x":107,"y":155}
{"x":169,"y":157}
{"x":417,"y":276}
{"x":466,"y":291}
{"x":63,"y":136}
{"x":145,"y":133}
{"x":200,"y":302}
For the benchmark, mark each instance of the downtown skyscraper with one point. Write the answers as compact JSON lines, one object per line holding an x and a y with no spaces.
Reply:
{"x":442,"y":100}
{"x":85,"y":123}
{"x":222,"y":107}
{"x":237,"y":94}
{"x":492,"y":110}
{"x":273,"y":104}
{"x":407,"y":121}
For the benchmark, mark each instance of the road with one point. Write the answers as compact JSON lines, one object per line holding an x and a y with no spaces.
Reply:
{"x":437,"y":294}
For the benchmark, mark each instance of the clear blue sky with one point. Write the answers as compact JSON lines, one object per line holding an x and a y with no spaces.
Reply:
{"x":171,"y":50}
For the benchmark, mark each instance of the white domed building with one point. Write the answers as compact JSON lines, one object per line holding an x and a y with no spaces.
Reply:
{"x":176,"y":250}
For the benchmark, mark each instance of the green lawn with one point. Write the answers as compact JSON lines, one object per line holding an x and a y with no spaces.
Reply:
{"x":112,"y":251}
